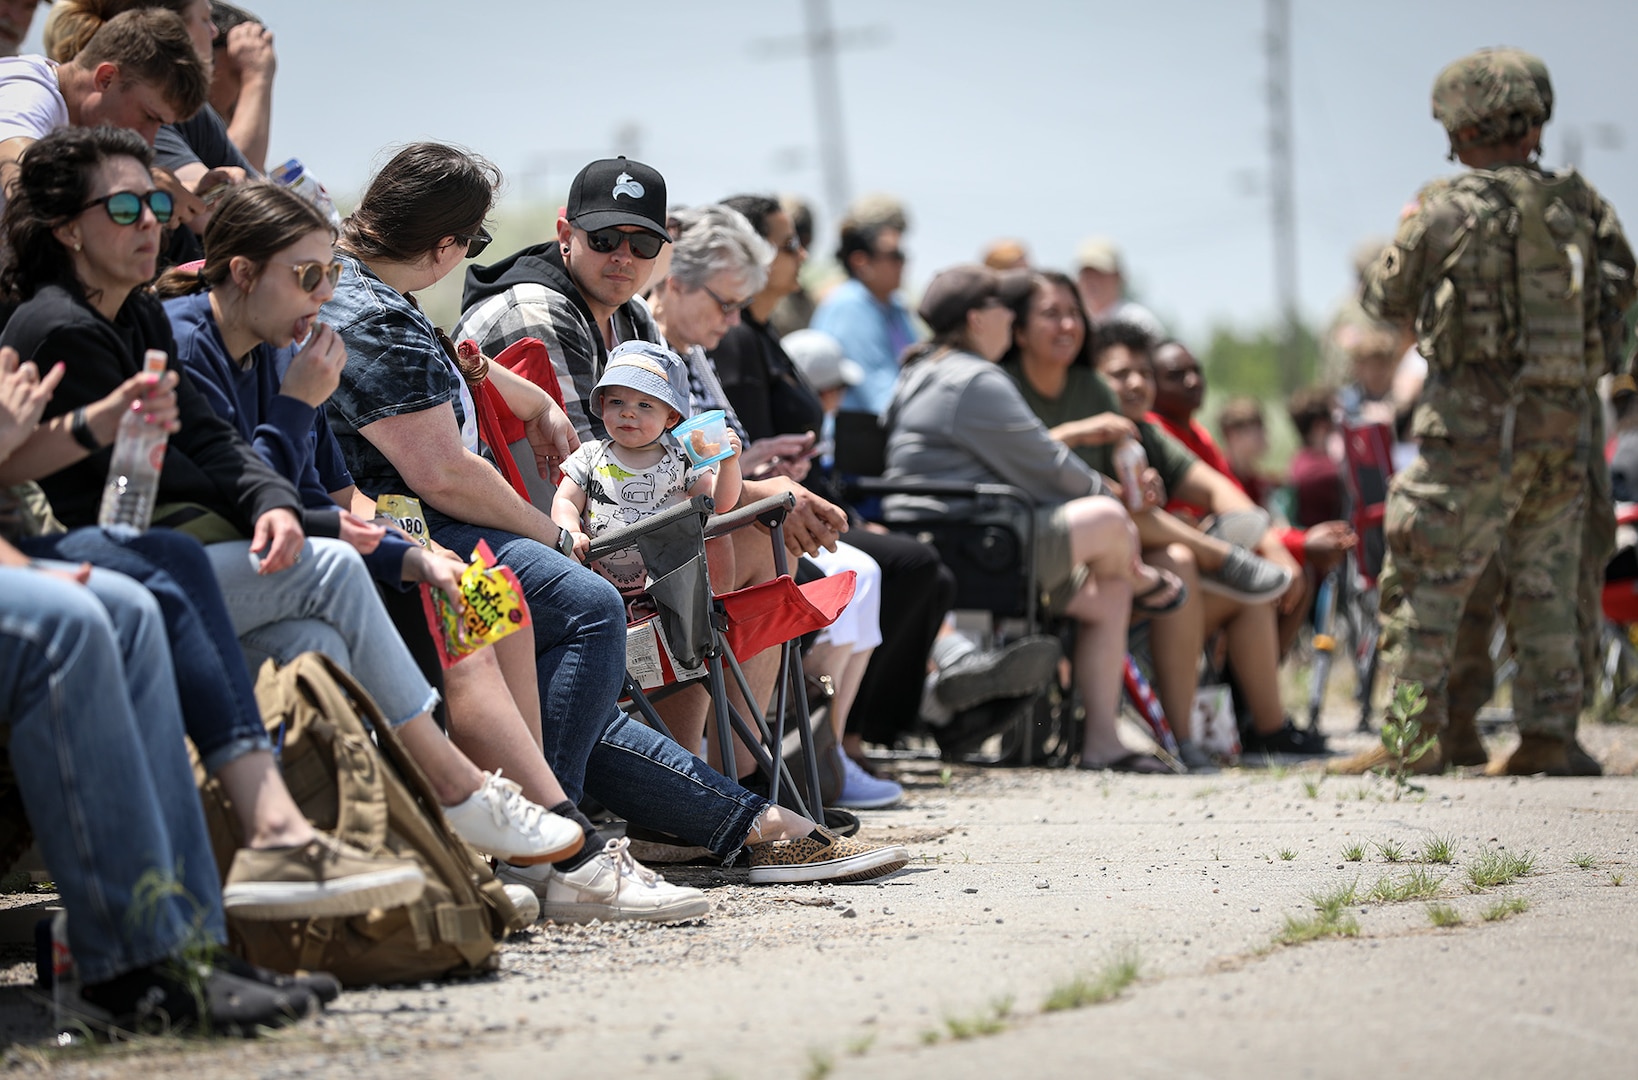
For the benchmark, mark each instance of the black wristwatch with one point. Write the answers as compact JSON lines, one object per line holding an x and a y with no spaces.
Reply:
{"x":565,"y":543}
{"x":80,"y":428}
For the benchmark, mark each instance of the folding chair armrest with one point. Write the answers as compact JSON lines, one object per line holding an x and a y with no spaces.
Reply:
{"x":769,"y":512}
{"x":875,"y":485}
{"x":620,"y":539}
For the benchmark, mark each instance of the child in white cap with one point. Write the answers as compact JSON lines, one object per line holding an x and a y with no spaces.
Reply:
{"x":639,"y":469}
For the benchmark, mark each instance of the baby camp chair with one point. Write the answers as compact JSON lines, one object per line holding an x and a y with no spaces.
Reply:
{"x":702,"y":633}
{"x":696,"y":634}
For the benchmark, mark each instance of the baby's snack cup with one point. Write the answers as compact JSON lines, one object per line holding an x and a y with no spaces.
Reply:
{"x":705,"y":437}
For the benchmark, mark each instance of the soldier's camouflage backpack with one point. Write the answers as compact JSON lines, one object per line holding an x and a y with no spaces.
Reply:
{"x":1521,"y":283}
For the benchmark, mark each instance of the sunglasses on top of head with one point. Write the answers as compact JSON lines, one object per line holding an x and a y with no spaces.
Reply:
{"x":475,"y":242}
{"x":309,"y":274}
{"x":125,"y":207}
{"x":644,"y":245}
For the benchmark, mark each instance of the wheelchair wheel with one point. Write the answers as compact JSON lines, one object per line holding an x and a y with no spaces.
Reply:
{"x":1047,"y":735}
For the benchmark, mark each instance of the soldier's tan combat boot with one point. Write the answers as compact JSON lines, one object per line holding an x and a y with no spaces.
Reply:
{"x":1460,"y":743}
{"x":1546,"y":754}
{"x":1377,"y":757}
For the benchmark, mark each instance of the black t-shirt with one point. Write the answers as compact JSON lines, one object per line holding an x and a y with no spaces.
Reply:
{"x":203,"y":137}
{"x":767,"y":392}
{"x":207,"y":462}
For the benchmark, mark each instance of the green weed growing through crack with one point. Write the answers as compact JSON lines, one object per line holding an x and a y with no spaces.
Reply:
{"x":1502,"y":909}
{"x":1354,"y":852}
{"x":1391,"y":851}
{"x":1443,"y":915}
{"x":1440,"y":849}
{"x":1287,"y":854}
{"x":1117,"y":974}
{"x":991,"y":1022}
{"x":1417,"y":885}
{"x":1498,"y":868}
{"x":1329,"y":921}
{"x":819,"y":1065}
{"x":1583,"y":860}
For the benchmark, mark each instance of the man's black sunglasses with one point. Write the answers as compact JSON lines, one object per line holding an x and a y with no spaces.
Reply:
{"x":644,"y":245}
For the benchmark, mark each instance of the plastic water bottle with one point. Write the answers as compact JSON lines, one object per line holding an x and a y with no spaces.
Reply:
{"x":294,"y":175}
{"x":133,"y":476}
{"x":1130,"y":461}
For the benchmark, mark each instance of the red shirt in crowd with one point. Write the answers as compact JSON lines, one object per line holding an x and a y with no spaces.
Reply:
{"x":1199,"y":441}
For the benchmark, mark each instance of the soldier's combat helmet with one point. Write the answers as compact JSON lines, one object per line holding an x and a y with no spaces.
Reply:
{"x":1538,"y":72}
{"x":1489,"y":97}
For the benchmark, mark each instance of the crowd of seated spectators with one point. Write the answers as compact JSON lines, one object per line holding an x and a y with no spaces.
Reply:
{"x":305,"y":382}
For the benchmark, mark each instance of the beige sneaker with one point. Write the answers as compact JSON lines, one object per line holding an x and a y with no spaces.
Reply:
{"x":321,"y":878}
{"x":611,"y":886}
{"x":822,"y":856}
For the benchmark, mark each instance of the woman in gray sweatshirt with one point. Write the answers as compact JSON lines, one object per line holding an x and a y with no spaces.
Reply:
{"x":955,"y":416}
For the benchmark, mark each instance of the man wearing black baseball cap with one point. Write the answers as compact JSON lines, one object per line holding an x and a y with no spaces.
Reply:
{"x":577,"y":293}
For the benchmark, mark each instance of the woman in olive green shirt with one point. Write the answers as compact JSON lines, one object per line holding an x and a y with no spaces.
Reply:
{"x":1051,"y":360}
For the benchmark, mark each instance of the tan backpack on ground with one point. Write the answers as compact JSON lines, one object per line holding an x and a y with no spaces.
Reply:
{"x":321,"y":722}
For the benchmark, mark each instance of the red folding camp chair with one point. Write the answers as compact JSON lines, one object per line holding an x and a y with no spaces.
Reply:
{"x":1351,"y":599}
{"x":695,"y":634}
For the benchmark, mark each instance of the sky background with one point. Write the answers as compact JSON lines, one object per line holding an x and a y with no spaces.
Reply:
{"x":1046,"y":121}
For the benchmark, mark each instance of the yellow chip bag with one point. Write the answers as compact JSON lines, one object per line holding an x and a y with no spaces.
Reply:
{"x":490,"y":607}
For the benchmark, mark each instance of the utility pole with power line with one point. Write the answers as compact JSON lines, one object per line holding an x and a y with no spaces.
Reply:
{"x":1282,"y":203}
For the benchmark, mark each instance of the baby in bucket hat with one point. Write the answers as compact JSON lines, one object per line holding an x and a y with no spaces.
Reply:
{"x":641,"y":468}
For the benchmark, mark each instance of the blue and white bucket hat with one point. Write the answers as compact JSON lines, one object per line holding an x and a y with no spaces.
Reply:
{"x":648,"y":369}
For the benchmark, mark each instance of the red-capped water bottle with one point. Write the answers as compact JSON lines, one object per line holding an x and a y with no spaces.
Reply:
{"x":133,"y":475}
{"x":1130,"y":461}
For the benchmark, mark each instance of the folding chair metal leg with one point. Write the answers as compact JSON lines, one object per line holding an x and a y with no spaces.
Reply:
{"x":804,"y":721}
{"x":635,"y":693}
{"x":763,"y":746}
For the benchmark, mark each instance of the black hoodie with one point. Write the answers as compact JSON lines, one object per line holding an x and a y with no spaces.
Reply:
{"x":530,"y":294}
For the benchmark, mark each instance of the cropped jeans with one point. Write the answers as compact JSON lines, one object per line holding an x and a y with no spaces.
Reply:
{"x":218,"y":698}
{"x":579,"y":623}
{"x":87,"y":690}
{"x":325,"y":603}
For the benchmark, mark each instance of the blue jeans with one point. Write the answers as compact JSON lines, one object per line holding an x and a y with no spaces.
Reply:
{"x":593,"y":748}
{"x":87,"y":689}
{"x":219,"y":707}
{"x":326,"y":603}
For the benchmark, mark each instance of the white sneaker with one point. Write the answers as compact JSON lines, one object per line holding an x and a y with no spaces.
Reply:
{"x":611,"y":886}
{"x":498,"y":821}
{"x":524,"y":899}
{"x":861,"y":791}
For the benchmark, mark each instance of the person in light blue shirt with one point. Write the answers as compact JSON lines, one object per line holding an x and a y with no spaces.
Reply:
{"x":865,"y":314}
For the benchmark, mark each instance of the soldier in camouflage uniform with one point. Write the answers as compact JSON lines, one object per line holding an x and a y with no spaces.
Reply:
{"x":1472,"y":675}
{"x":1511,"y":274}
